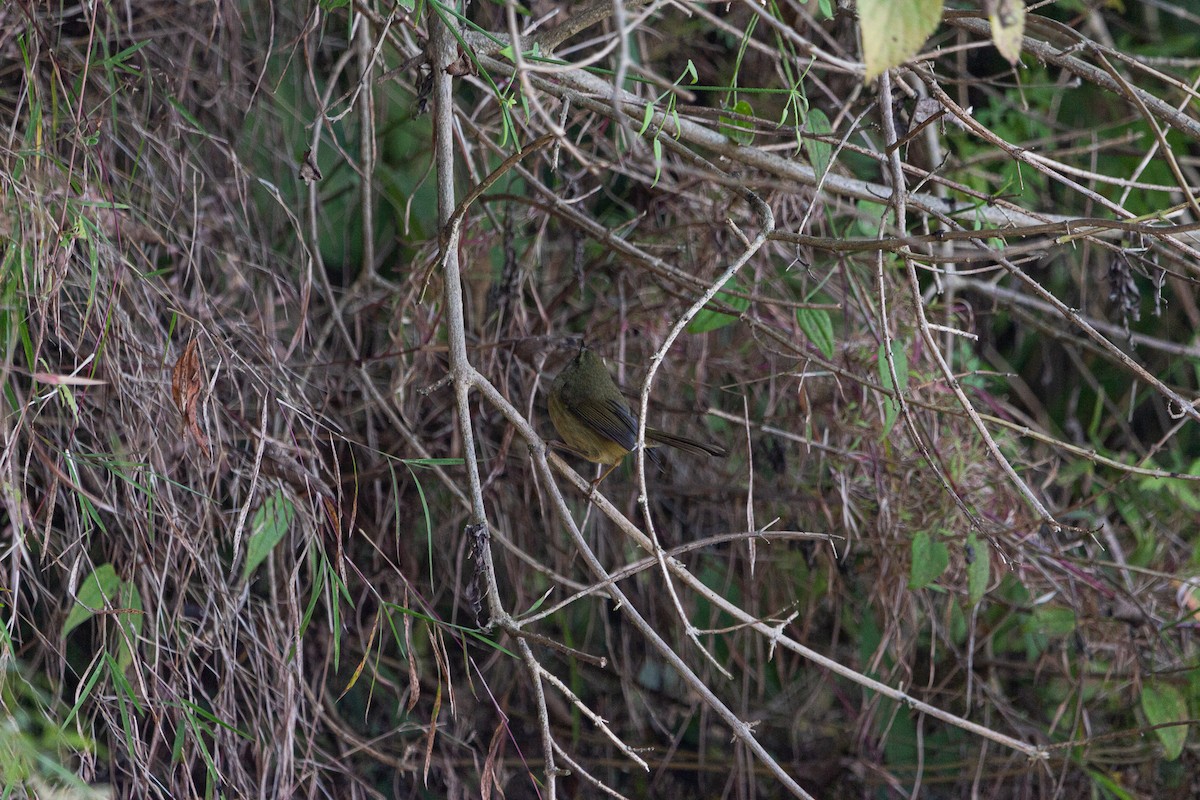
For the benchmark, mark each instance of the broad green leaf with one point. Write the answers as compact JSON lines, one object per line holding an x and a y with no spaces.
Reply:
{"x":930,"y":558}
{"x":978,"y":568}
{"x":1008,"y":27}
{"x":1164,"y":703}
{"x":710,"y":320}
{"x":102,"y":592}
{"x":894,"y":30}
{"x":271,"y":522}
{"x":819,"y":153}
{"x":818,"y":327}
{"x":738,"y":131}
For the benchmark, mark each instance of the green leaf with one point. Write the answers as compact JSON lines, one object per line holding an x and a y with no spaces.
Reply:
{"x":98,"y":592}
{"x":978,"y":568}
{"x":930,"y":558}
{"x":894,"y":30}
{"x":1052,"y":621}
{"x":891,"y":404}
{"x":1109,"y":784}
{"x":102,"y":592}
{"x":511,"y":55}
{"x":738,"y":131}
{"x":656,"y":147}
{"x":818,"y":327}
{"x":130,"y":618}
{"x":1163,"y":703}
{"x":709,"y":320}
{"x":271,"y":522}
{"x":819,"y":153}
{"x":120,"y":60}
{"x":865,"y":222}
{"x":433,"y":462}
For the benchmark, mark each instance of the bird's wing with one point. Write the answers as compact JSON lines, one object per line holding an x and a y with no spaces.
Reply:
{"x":611,"y":420}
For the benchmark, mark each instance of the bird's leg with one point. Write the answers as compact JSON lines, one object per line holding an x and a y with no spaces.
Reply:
{"x":604,"y":475}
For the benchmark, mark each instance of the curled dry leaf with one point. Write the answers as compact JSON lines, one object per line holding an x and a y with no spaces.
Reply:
{"x":463,"y":65}
{"x":414,"y":675}
{"x":185,"y":390}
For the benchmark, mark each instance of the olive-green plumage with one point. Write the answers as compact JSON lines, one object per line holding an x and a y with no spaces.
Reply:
{"x":591,"y":415}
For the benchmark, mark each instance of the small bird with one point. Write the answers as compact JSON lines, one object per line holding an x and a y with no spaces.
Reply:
{"x":591,"y":415}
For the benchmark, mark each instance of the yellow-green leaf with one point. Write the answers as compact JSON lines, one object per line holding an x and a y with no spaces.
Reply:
{"x":1008,"y":27}
{"x":894,"y":30}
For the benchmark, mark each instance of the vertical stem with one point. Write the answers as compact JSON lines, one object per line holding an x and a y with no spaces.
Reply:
{"x":443,"y":52}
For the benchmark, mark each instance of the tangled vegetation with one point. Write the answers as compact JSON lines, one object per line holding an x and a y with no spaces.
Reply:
{"x":284,"y":290}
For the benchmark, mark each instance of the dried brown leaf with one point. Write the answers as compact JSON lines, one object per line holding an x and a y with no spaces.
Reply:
{"x":186,"y":384}
{"x":437,"y":707}
{"x":490,"y":776}
{"x":414,"y":676}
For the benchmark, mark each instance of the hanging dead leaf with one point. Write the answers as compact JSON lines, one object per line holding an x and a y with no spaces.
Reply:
{"x":431,"y":736}
{"x":309,"y":172}
{"x":463,"y":65}
{"x":186,"y":383}
{"x":414,"y":675}
{"x":490,"y":777}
